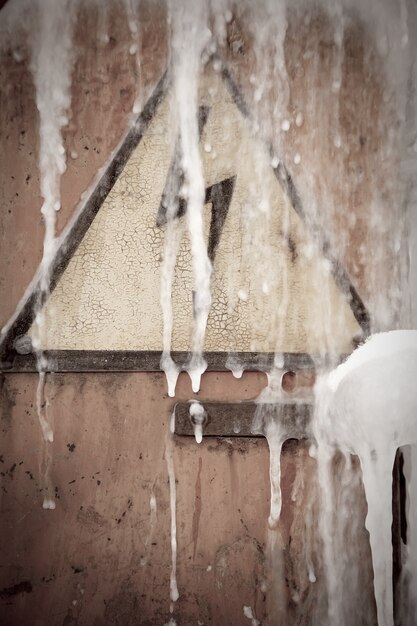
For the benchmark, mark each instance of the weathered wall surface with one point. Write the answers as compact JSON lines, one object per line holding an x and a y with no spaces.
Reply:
{"x":345,"y":136}
{"x":338,"y":175}
{"x":261,"y":259}
{"x":101,"y":557}
{"x":103,"y":92}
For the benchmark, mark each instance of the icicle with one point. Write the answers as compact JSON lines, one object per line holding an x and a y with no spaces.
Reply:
{"x":377,"y":468}
{"x":51,"y":67}
{"x":235,"y":365}
{"x":41,"y":406}
{"x":196,"y":368}
{"x":267,"y":421}
{"x":275,"y":438}
{"x":173,"y":236}
{"x":190,"y":35}
{"x":198,"y":417}
{"x":132,"y":11}
{"x":174,"y":595}
{"x":48,"y":437}
{"x":171,"y":370}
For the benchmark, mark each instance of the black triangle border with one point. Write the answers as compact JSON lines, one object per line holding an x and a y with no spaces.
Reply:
{"x":114,"y":360}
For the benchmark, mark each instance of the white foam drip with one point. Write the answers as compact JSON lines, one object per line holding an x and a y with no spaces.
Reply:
{"x":174,"y":595}
{"x":46,"y":425}
{"x":198,"y":416}
{"x":153,"y":507}
{"x":132,"y":12}
{"x":275,"y":438}
{"x":198,"y":433}
{"x":173,"y":234}
{"x":196,"y":369}
{"x":190,"y":35}
{"x":52,"y":78}
{"x":41,"y":409}
{"x":368,"y":407}
{"x":48,"y":504}
{"x":247,"y":612}
{"x":266,"y":421}
{"x":235,"y":365}
{"x":172,"y":371}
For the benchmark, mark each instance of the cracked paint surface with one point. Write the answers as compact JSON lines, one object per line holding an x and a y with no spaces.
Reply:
{"x":271,"y":288}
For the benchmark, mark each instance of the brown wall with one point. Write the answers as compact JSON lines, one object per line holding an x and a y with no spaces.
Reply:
{"x":96,"y":559}
{"x":108,"y":457}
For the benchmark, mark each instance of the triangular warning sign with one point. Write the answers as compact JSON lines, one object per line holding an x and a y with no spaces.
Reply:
{"x":272,"y":289}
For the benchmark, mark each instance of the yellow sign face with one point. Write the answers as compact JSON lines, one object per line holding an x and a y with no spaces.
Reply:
{"x":271,"y":288}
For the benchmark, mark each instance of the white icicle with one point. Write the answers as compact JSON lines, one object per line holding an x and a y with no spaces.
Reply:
{"x":198,"y":416}
{"x":51,"y":66}
{"x":48,"y":503}
{"x":235,"y":365}
{"x":41,"y":406}
{"x":275,"y":439}
{"x":173,"y":236}
{"x":190,"y":35}
{"x":174,"y":595}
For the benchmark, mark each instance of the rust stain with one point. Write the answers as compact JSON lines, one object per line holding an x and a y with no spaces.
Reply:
{"x":8,"y":401}
{"x":197,"y":507}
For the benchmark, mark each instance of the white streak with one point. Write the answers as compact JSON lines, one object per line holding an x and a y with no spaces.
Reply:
{"x":174,"y":595}
{"x":189,"y":37}
{"x":48,"y":504}
{"x":275,"y":438}
{"x":51,"y":66}
{"x":247,"y":612}
{"x":198,"y":417}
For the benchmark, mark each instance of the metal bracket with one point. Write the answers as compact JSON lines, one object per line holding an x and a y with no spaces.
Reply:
{"x":245,"y":419}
